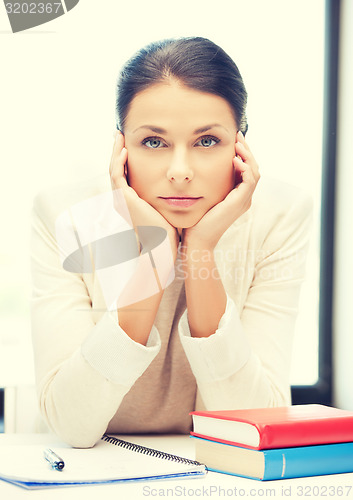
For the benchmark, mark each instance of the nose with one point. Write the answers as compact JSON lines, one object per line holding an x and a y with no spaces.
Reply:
{"x":179,"y":169}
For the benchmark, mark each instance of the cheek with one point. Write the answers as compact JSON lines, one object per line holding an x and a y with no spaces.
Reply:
{"x":228,"y":172}
{"x":222,"y":176}
{"x":142,"y":173}
{"x":135,"y":167}
{"x":224,"y":184}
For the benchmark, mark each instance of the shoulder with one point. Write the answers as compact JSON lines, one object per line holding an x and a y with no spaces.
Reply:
{"x":279,"y":213}
{"x":276,"y":202}
{"x":281,"y":217}
{"x":50,"y":203}
{"x":279,"y":196}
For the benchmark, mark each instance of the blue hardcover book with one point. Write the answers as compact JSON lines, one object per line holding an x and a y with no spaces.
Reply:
{"x":279,"y":463}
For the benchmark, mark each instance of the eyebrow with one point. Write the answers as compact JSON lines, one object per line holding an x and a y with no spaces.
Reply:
{"x":200,"y":130}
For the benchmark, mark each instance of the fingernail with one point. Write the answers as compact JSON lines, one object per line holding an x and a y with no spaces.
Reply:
{"x":241,"y":134}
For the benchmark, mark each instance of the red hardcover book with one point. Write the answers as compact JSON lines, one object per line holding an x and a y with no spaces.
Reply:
{"x":281,"y":427}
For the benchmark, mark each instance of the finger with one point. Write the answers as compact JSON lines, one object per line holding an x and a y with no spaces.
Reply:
{"x":241,"y":139}
{"x":119,"y":140}
{"x":245,"y":171}
{"x":247,"y":156}
{"x":119,"y":144}
{"x":237,"y":171}
{"x":117,"y":164}
{"x":248,"y":175}
{"x":243,"y":152}
{"x":244,"y":191}
{"x":117,"y":173}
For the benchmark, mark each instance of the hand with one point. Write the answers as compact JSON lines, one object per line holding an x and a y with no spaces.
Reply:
{"x":140,"y":213}
{"x":215,"y":222}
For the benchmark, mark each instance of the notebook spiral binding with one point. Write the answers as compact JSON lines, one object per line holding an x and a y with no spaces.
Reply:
{"x":148,"y":451}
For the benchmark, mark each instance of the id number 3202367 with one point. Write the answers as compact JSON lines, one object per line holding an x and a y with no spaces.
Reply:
{"x":324,"y":491}
{"x":33,"y":8}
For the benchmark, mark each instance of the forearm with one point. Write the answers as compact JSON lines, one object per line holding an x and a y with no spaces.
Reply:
{"x":137,"y":319}
{"x":252,"y":386}
{"x":205,"y":295}
{"x":78,"y":402}
{"x":80,"y":392}
{"x":138,"y":304}
{"x":231,"y":371}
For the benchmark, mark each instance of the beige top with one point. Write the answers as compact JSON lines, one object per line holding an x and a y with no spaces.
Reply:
{"x":162,"y":397}
{"x":92,"y":377}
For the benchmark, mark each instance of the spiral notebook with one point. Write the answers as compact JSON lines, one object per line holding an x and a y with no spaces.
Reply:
{"x":111,"y":460}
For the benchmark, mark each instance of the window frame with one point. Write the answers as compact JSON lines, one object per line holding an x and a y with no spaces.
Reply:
{"x":321,"y":392}
{"x":2,"y":394}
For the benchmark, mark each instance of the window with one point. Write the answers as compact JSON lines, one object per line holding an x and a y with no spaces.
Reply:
{"x":321,"y":392}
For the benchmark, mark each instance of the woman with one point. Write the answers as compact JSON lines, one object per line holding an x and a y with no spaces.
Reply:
{"x":218,"y":335}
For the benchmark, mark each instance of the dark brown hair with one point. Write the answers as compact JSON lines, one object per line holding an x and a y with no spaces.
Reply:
{"x":197,"y":62}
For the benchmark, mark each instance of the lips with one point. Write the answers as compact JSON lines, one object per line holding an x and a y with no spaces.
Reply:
{"x":181,"y":201}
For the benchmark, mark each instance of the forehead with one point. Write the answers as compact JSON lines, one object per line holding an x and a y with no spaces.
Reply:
{"x":172,"y":104}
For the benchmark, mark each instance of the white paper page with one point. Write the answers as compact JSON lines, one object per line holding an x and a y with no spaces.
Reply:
{"x":104,"y":462}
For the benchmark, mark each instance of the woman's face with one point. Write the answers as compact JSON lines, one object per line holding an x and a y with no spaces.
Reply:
{"x":180,"y":145}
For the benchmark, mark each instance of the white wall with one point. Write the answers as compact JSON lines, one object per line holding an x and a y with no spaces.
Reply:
{"x":343,"y":295}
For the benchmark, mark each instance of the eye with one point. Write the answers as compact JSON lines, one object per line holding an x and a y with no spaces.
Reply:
{"x":207,"y":141}
{"x":153,"y":143}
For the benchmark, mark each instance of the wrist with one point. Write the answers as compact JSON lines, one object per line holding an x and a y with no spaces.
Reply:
{"x":173,"y":237}
{"x":192,"y":243}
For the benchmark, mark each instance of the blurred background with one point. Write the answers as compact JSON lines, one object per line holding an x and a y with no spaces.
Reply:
{"x":57,"y":119}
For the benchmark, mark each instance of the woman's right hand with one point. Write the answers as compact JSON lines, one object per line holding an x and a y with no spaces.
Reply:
{"x":140,"y":213}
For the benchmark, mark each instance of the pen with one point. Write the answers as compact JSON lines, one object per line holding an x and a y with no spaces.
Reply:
{"x":53,"y":459}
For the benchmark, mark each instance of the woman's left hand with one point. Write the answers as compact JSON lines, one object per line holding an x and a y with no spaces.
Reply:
{"x":209,"y":229}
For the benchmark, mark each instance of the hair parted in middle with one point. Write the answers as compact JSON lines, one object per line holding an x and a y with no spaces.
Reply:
{"x":196,"y":62}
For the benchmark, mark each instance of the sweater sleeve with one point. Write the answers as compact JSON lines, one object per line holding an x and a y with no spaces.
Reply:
{"x":84,"y":367}
{"x":246,"y":362}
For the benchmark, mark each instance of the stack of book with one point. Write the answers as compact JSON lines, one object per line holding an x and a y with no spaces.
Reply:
{"x":275,"y":443}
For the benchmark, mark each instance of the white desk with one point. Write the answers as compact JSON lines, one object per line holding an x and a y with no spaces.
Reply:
{"x":214,"y":485}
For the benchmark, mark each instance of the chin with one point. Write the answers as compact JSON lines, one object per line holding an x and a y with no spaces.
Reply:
{"x":184,"y":221}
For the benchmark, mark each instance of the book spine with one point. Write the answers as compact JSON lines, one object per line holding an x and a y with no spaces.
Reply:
{"x":286,"y":463}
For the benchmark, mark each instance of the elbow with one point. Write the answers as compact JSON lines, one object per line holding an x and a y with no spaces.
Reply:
{"x":68,"y":427}
{"x":279,"y":396}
